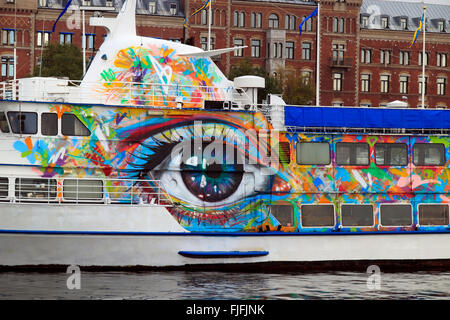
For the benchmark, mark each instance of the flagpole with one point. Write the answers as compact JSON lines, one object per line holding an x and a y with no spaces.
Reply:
{"x":209,"y":25}
{"x":423,"y":56}
{"x":318,"y":56}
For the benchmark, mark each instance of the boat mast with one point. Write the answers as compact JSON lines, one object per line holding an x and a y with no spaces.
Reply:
{"x":318,"y":55}
{"x":423,"y":56}
{"x":209,"y":24}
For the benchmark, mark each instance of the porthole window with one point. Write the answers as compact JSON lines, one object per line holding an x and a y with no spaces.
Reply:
{"x":429,"y":154}
{"x":391,"y":154}
{"x":35,"y":189}
{"x":74,"y":189}
{"x":396,"y":215}
{"x":23,"y":122}
{"x":72,"y":126}
{"x":357,"y":215}
{"x":313,"y":153}
{"x":283,"y":213}
{"x":49,"y":124}
{"x":352,"y":154}
{"x":433,"y":214}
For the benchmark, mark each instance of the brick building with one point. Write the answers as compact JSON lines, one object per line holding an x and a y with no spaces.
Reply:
{"x":366,"y":57}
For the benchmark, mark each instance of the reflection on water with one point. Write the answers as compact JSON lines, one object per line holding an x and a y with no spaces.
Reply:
{"x":223,"y":285}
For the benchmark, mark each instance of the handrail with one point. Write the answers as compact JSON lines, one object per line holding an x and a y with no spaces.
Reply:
{"x":86,"y":190}
{"x":118,"y":93}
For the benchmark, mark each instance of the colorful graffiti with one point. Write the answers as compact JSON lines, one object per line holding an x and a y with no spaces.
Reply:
{"x":158,"y":76}
{"x":222,"y":172}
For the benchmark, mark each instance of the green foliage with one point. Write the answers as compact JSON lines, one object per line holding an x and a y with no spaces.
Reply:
{"x":297,"y":90}
{"x":61,"y":61}
{"x":244,"y":68}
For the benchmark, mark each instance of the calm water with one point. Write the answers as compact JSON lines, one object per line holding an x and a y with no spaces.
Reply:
{"x":215,"y":285}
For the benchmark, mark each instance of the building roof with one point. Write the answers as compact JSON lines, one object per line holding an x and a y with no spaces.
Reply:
{"x":142,"y":6}
{"x":396,"y":10}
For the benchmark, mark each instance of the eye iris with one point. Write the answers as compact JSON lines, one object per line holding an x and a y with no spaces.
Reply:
{"x":211,"y":182}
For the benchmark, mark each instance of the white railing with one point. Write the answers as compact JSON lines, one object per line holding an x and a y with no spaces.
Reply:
{"x":120,"y":93}
{"x":79,"y":191}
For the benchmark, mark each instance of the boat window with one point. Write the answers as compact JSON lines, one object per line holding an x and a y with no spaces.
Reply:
{"x":357,"y":215}
{"x":284,"y":152}
{"x":310,"y":153}
{"x":3,"y":123}
{"x":74,"y":189}
{"x":391,"y":154}
{"x":395,"y":214}
{"x":72,"y":126}
{"x":433,"y":214}
{"x":352,"y":154}
{"x":23,"y":122}
{"x":4,"y":187}
{"x":49,"y":124}
{"x":429,"y":154}
{"x":317,"y":215}
{"x":32,"y":189}
{"x":283,"y":213}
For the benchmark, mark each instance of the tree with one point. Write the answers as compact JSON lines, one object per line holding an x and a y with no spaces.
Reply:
{"x":244,"y":68}
{"x":61,"y":61}
{"x":297,"y":90}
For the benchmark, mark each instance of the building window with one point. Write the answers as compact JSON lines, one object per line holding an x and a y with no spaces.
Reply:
{"x":404,"y":58}
{"x":8,"y":36}
{"x":90,"y":41}
{"x":86,"y":3}
{"x":313,"y":153}
{"x":429,"y":154}
{"x":391,"y":154}
{"x":7,"y":67}
{"x":72,"y":126}
{"x":317,"y":215}
{"x":43,"y":38}
{"x":404,"y":23}
{"x":242,"y":19}
{"x":384,"y":83}
{"x":337,"y":81}
{"x":65,"y":38}
{"x":396,"y":215}
{"x":307,"y":26}
{"x":335,"y":24}
{"x":441,"y":59}
{"x":49,"y":124}
{"x":421,"y":84}
{"x":338,"y":53}
{"x":235,"y":19}
{"x":441,"y":86}
{"x":342,"y":25}
{"x":404,"y":84}
{"x":365,"y":83}
{"x":441,"y":26}
{"x":366,"y":56}
{"x":35,"y":189}
{"x":433,"y":214}
{"x":364,"y":21}
{"x":256,"y":48}
{"x":283,"y":213}
{"x":42,"y":3}
{"x":173,"y":9}
{"x":357,"y":215}
{"x":204,"y":43}
{"x":23,"y":122}
{"x":204,"y":17}
{"x":306,"y":77}
{"x":289,"y":50}
{"x":289,"y":22}
{"x":352,"y":154}
{"x":238,"y":43}
{"x":385,"y":56}
{"x":74,"y":189}
{"x":421,"y":58}
{"x":110,"y":3}
{"x":306,"y":51}
{"x":384,"y":22}
{"x":256,"y":19}
{"x":273,"y":21}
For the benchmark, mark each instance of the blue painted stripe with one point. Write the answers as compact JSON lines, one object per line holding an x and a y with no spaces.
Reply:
{"x":222,"y":254}
{"x":223,"y":234}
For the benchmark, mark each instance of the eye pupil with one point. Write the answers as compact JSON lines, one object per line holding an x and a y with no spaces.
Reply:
{"x":211,"y":182}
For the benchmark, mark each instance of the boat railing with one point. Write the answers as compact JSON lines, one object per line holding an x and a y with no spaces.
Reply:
{"x":114,"y":92}
{"x":83,"y":191}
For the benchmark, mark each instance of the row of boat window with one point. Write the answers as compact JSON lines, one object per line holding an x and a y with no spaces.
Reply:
{"x":362,"y":215}
{"x":27,"y":123}
{"x":358,"y":154}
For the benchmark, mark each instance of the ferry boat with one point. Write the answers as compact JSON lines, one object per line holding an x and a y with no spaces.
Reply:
{"x":155,"y":159}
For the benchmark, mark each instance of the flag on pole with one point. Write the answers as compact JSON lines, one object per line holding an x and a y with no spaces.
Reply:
{"x":61,"y":14}
{"x":416,"y":33}
{"x":313,"y":14}
{"x":204,"y":6}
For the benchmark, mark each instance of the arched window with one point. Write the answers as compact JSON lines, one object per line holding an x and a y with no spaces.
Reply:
{"x":273,"y":21}
{"x":236,"y":19}
{"x":242,"y":19}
